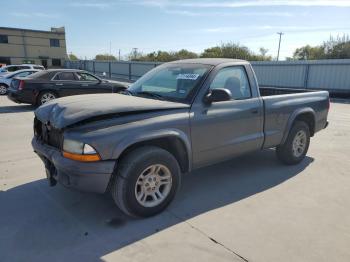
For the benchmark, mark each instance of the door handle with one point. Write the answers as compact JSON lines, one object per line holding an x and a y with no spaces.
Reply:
{"x":255,"y":111}
{"x":84,"y":85}
{"x":58,"y":84}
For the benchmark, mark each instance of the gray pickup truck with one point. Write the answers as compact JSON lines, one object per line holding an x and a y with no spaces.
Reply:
{"x":178,"y":117}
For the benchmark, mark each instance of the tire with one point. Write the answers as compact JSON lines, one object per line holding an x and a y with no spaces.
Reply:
{"x":294,"y":149}
{"x":136,"y":167}
{"x":45,"y":97}
{"x":3,"y":90}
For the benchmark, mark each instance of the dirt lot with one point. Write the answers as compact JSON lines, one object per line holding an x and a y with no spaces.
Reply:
{"x":251,"y":208}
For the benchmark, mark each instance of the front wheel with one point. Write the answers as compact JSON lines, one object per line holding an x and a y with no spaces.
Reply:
{"x":146,"y":181}
{"x":293,"y":151}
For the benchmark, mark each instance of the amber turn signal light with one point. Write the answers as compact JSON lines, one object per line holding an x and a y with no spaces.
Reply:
{"x":82,"y":158}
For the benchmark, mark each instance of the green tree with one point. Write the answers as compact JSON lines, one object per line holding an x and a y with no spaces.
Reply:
{"x":185,"y":54}
{"x":338,"y":48}
{"x":107,"y":57}
{"x":309,"y":53}
{"x":334,"y":48}
{"x":164,"y":56}
{"x":233,"y":50}
{"x":71,"y":56}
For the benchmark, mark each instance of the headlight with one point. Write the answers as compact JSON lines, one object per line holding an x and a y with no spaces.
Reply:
{"x":79,"y":151}
{"x":72,"y":146}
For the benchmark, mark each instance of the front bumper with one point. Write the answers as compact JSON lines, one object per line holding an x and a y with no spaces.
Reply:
{"x":83,"y":176}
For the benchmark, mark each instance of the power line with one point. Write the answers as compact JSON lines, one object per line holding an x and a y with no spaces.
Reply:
{"x":279,"y":45}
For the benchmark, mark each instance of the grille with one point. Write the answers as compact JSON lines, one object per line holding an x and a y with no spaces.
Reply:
{"x":48,"y":134}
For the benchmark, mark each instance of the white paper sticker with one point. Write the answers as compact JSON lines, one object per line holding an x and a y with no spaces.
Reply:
{"x":187,"y":76}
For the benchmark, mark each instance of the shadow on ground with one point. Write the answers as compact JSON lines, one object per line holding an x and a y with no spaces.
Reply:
{"x":43,"y":223}
{"x":16,"y":109}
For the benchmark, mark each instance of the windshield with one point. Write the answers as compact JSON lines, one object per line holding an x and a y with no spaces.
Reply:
{"x":174,"y":82}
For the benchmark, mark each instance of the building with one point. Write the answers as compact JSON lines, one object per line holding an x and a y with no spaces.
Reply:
{"x":47,"y":48}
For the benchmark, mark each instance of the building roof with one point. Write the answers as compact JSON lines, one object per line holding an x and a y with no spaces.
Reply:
{"x":33,"y":30}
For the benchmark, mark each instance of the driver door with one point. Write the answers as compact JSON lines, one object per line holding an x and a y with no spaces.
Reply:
{"x":221,"y":130}
{"x":92,"y":85}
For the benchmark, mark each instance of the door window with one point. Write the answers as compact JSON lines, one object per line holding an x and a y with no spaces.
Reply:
{"x":66,"y":76}
{"x":23,"y":74}
{"x":235,"y":80}
{"x":12,"y":68}
{"x":86,"y":77}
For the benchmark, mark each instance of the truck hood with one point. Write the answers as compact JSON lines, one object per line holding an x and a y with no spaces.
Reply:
{"x":71,"y":110}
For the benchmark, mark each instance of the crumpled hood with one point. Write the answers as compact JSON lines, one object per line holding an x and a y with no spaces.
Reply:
{"x":67,"y":111}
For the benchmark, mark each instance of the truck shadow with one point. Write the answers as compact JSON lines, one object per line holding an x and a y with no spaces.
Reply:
{"x":16,"y":109}
{"x":39,"y":222}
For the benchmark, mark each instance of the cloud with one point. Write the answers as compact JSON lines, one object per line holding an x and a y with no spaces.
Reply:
{"x":248,"y":3}
{"x":210,"y":14}
{"x":289,"y":29}
{"x":100,"y":5}
{"x":37,"y":14}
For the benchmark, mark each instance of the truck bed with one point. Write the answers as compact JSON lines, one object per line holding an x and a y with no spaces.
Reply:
{"x":282,"y":104}
{"x":273,"y":91}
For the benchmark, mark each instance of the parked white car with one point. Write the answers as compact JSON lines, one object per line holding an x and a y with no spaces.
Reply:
{"x":13,"y":68}
{"x":5,"y":79}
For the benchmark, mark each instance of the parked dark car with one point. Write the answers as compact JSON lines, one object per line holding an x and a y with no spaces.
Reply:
{"x":178,"y":117}
{"x":41,"y":87}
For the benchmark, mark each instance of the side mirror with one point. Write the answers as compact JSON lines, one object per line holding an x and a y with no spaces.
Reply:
{"x":218,"y":95}
{"x":104,"y":74}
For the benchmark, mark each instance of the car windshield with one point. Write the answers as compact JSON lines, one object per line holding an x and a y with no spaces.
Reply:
{"x":173,"y":82}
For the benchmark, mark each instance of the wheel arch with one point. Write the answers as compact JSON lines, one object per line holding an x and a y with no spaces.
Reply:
{"x":306,"y":115}
{"x":174,"y":141}
{"x":43,"y":91}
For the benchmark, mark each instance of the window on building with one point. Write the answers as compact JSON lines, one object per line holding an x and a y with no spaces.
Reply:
{"x":56,"y":62}
{"x":54,"y":42}
{"x":4,"y":39}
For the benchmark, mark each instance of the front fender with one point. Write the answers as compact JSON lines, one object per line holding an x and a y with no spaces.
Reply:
{"x":292,"y":118}
{"x":151,"y":135}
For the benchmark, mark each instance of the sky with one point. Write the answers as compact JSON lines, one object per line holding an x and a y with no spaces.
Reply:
{"x":98,"y":26}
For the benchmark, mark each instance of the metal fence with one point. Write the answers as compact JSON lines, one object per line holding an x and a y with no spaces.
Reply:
{"x":113,"y":70}
{"x":331,"y":75}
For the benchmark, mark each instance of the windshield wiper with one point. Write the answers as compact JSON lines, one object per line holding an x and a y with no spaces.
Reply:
{"x":160,"y":97}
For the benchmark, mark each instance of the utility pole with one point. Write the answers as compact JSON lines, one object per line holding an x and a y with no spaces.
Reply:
{"x":134,"y":50}
{"x":119,"y":55}
{"x":279,"y":45}
{"x":110,"y":50}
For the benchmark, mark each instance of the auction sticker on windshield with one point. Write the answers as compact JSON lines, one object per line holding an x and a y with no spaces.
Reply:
{"x":187,"y":76}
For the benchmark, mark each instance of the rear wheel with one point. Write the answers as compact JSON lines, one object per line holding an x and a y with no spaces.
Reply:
{"x":296,"y":146}
{"x":146,"y":181}
{"x":3,"y":90}
{"x":45,"y":97}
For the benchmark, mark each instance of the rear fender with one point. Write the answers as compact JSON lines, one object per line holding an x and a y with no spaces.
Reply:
{"x":294,"y":116}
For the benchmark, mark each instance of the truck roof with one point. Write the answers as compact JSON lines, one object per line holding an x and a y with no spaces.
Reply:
{"x":211,"y":61}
